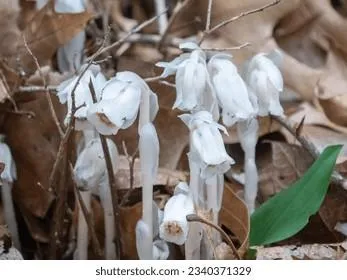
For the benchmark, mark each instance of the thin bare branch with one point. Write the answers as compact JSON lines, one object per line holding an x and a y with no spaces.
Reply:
{"x":226,"y":22}
{"x":47,"y":94}
{"x":127,"y":36}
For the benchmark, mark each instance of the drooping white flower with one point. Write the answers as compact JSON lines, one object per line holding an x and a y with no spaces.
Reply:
{"x":207,"y":146}
{"x":193,"y":88}
{"x":265,"y":81}
{"x":230,"y":89}
{"x":82,"y":95}
{"x":174,"y":227}
{"x":120,"y":102}
{"x":90,"y":168}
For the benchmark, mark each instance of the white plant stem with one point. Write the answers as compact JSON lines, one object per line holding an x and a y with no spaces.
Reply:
{"x":147,"y":181}
{"x":10,"y":215}
{"x":160,"y":6}
{"x":106,"y":202}
{"x":248,"y":135}
{"x":82,"y":230}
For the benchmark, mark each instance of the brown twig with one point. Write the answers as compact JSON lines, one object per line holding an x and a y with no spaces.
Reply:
{"x":47,"y":94}
{"x":196,"y":218}
{"x":112,"y":182}
{"x":180,"y":6}
{"x":208,"y":17}
{"x":128,"y":35}
{"x":227,"y":49}
{"x":336,"y":177}
{"x":226,"y":22}
{"x":29,"y":89}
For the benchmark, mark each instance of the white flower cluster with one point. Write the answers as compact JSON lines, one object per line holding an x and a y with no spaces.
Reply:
{"x":207,"y":85}
{"x":105,"y":107}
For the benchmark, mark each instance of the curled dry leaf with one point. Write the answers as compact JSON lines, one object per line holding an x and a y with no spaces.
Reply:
{"x":234,"y":216}
{"x":47,"y":31}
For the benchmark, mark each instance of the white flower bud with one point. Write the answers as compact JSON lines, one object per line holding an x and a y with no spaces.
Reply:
{"x":90,"y":168}
{"x":266,"y":82}
{"x":174,"y":227}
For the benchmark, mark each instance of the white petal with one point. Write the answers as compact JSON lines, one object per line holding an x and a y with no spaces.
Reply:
{"x":122,"y":111}
{"x":171,"y":67}
{"x":100,"y":121}
{"x":113,"y":88}
{"x":175,"y":226}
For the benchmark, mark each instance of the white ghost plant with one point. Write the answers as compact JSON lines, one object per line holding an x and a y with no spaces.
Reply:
{"x":8,"y":176}
{"x":90,"y":174}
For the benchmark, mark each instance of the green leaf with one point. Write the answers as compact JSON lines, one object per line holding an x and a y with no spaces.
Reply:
{"x":288,"y":212}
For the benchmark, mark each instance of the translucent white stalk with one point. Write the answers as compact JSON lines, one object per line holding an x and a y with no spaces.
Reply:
{"x":10,"y":215}
{"x":106,"y":202}
{"x":160,"y":6}
{"x":149,"y":159}
{"x":248,"y":136}
{"x":81,"y":252}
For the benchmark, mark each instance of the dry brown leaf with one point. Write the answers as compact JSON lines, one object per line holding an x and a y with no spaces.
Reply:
{"x":286,"y":165}
{"x":313,"y":116}
{"x":34,"y":143}
{"x":47,"y":31}
{"x":234,"y":216}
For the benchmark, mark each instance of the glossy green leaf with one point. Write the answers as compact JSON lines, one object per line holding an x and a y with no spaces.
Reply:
{"x":288,"y":212}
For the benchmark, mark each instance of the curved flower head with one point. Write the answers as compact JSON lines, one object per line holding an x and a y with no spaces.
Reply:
{"x":174,"y":227}
{"x":9,"y":174}
{"x":120,"y":102}
{"x":230,"y":89}
{"x":207,"y":146}
{"x":266,"y":82}
{"x":90,"y":168}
